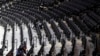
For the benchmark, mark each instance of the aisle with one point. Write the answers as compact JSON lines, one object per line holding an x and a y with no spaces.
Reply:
{"x":26,"y":36}
{"x":37,"y":45}
{"x":8,"y":40}
{"x":17,"y":39}
{"x":1,"y":35}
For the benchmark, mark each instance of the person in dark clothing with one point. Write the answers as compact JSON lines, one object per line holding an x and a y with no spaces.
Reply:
{"x":21,"y":50}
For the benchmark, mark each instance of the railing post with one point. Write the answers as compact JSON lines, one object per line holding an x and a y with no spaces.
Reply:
{"x":7,"y":44}
{"x":16,"y":41}
{"x":25,"y":39}
{"x":34,"y":40}
{"x":43,"y":38}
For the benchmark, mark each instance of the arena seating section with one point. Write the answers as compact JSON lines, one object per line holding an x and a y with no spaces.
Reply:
{"x":75,"y":24}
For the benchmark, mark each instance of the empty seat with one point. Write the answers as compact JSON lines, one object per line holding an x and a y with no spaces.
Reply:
{"x":38,"y":30}
{"x":89,"y":22}
{"x":94,"y":16}
{"x":70,"y":7}
{"x":30,"y":34}
{"x":75,"y":29}
{"x":75,"y":5}
{"x":80,"y":24}
{"x":56,"y":29}
{"x":65,"y":29}
{"x":47,"y":31}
